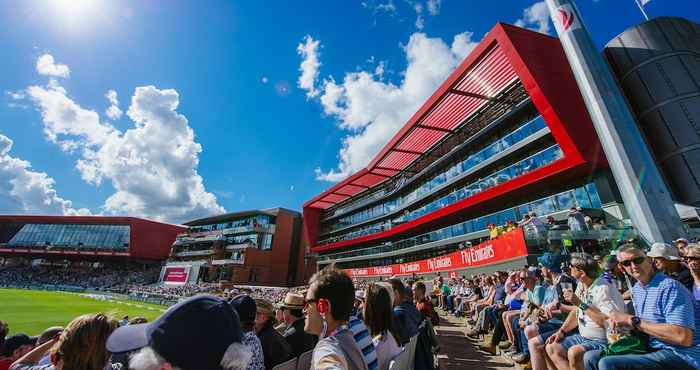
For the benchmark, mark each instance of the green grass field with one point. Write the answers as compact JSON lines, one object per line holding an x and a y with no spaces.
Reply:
{"x":32,"y":311}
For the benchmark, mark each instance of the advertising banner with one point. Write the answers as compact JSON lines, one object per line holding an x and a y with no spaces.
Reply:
{"x":176,"y":274}
{"x":506,"y":247}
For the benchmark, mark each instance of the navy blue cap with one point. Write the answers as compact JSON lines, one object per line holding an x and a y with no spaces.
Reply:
{"x":192,"y":335}
{"x":246,"y":307}
{"x":16,"y":341}
{"x":550,"y":261}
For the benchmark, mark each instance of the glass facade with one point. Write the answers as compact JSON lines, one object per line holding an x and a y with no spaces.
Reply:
{"x":253,"y":221}
{"x":472,"y":160}
{"x":62,"y":235}
{"x":584,"y":196}
{"x":519,"y":168}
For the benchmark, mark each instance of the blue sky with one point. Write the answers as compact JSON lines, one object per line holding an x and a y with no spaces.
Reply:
{"x":218,"y":112}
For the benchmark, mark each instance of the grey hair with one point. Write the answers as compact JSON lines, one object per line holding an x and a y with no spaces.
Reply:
{"x":586,"y":263}
{"x":237,"y":357}
{"x":631,"y":248}
{"x":146,"y":359}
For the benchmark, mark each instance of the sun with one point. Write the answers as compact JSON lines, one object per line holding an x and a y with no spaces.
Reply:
{"x":74,"y":13}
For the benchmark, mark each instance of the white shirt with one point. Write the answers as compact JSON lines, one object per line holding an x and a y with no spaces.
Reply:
{"x":603,"y":296}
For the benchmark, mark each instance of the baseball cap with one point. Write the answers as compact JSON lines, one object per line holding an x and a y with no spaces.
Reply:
{"x":664,"y":250}
{"x":196,"y":334}
{"x":550,"y":261}
{"x":14,"y":342}
{"x":681,"y":240}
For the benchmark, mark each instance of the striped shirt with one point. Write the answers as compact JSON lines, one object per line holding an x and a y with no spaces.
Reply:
{"x":364,"y":342}
{"x":666,"y":301}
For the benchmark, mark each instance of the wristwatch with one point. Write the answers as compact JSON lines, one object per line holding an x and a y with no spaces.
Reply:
{"x":636,"y":321}
{"x":583,"y":306}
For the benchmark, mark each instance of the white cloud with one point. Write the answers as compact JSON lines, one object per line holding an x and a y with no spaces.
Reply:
{"x":372,"y":111}
{"x":535,"y":17}
{"x":264,"y":79}
{"x":420,"y":22}
{"x":45,"y":65}
{"x":308,"y":49}
{"x":433,"y":7}
{"x":16,"y":95}
{"x":152,"y":166}
{"x":23,"y":190}
{"x":113,"y":112}
{"x":388,"y":7}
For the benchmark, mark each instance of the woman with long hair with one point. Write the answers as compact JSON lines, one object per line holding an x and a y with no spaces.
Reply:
{"x":80,"y":346}
{"x":379,"y":317}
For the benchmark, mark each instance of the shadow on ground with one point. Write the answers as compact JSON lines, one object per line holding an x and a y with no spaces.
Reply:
{"x":456,"y":352}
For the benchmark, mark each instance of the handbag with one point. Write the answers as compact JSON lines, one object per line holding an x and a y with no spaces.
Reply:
{"x":635,"y":343}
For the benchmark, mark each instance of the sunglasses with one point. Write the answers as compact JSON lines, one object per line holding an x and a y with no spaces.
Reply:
{"x":691,"y":259}
{"x":637,"y":261}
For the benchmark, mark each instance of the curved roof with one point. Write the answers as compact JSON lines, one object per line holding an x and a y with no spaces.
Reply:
{"x":477,"y":80}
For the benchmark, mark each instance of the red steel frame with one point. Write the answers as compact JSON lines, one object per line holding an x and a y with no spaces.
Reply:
{"x":538,"y":61}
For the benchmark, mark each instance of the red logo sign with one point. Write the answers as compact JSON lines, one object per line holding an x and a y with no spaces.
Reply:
{"x":566,"y":18}
{"x":176,"y":274}
{"x":506,"y":247}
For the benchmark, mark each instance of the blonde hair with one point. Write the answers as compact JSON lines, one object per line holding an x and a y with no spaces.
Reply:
{"x":82,"y":344}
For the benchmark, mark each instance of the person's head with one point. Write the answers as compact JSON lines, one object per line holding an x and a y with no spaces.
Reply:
{"x":378,"y":312}
{"x":17,"y":346}
{"x":247,"y":310}
{"x":4,"y":329}
{"x":528,"y":278}
{"x":682,"y":245}
{"x":125,"y":318}
{"x":264,"y":314}
{"x":49,"y":334}
{"x":502,"y":277}
{"x":201,"y":332}
{"x":692,"y":258}
{"x":419,"y":291}
{"x":635,"y":262}
{"x":291,"y":308}
{"x":665,"y":256}
{"x":81,"y":345}
{"x":399,"y":290}
{"x":329,"y":299}
{"x":583,"y":266}
{"x":138,"y":320}
{"x":550,"y":264}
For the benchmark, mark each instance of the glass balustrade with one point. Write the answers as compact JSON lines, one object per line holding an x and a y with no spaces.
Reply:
{"x":585,"y":197}
{"x":522,"y":167}
{"x":499,"y":146}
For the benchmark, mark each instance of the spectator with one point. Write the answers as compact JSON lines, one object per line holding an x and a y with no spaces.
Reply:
{"x":48,"y":335}
{"x":4,"y":329}
{"x":202,"y":332}
{"x":247,"y":310}
{"x":294,"y":333}
{"x":14,"y":348}
{"x":80,"y":346}
{"x":124,"y":321}
{"x":138,"y":320}
{"x":423,"y":304}
{"x":682,"y":245}
{"x":407,"y":316}
{"x":692,"y":258}
{"x":596,"y":299}
{"x":667,"y":260}
{"x":576,"y":221}
{"x":328,"y":304}
{"x":379,"y":319}
{"x":364,"y":343}
{"x":276,"y":350}
{"x":665,"y":311}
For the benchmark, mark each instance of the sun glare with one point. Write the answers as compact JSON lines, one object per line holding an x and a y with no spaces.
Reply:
{"x":74,"y":13}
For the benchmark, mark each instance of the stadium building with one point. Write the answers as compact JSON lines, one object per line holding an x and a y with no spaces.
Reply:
{"x":86,"y":238}
{"x":257,"y":247}
{"x":505,"y":135}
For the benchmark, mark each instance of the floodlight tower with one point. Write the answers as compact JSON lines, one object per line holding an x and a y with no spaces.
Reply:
{"x":643,"y":190}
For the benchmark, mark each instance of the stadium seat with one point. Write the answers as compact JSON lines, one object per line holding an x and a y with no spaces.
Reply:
{"x":288,"y":365}
{"x":305,"y":360}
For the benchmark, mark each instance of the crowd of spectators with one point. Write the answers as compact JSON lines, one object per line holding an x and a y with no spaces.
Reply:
{"x":112,"y":278}
{"x":631,"y":308}
{"x":332,"y":323}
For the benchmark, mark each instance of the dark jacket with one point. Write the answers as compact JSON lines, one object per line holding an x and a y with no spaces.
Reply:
{"x":298,"y":339}
{"x":407,"y":321}
{"x":276,"y":350}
